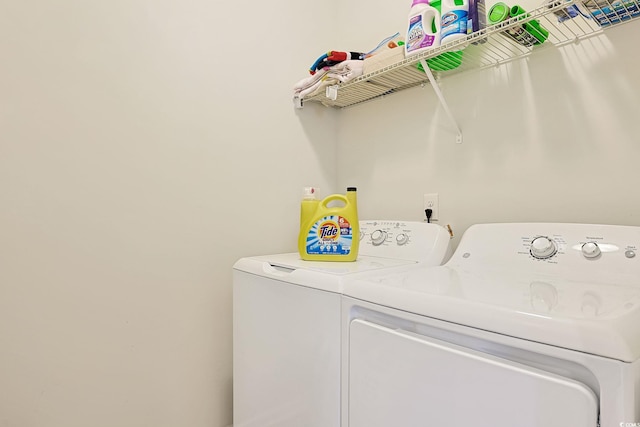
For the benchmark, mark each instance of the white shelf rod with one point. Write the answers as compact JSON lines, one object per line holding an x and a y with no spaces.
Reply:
{"x":436,"y":88}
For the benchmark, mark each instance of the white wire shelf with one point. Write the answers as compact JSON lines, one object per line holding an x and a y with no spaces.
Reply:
{"x":488,"y":47}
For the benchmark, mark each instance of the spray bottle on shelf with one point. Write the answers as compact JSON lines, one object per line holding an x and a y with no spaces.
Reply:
{"x":329,"y":233}
{"x":423,"y":32}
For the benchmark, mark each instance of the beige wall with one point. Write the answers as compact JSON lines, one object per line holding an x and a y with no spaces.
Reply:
{"x":144,"y":147}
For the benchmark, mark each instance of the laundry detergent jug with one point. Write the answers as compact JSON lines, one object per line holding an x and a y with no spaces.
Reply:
{"x":329,"y":228}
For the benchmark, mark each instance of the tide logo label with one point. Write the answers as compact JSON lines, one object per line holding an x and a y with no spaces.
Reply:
{"x":328,"y":230}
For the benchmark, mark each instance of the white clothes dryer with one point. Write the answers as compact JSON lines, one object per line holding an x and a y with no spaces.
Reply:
{"x":287,"y":323}
{"x":528,"y":325}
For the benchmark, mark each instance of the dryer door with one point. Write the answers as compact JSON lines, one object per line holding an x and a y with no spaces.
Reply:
{"x":397,"y":378}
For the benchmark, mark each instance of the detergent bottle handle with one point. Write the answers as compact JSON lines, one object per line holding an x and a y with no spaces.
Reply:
{"x":333,"y":197}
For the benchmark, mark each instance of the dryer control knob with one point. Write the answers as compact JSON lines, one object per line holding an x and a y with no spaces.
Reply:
{"x":378,"y":237}
{"x":591,"y":250}
{"x":543,"y":247}
{"x":401,"y":239}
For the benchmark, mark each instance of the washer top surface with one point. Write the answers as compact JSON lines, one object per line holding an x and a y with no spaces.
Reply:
{"x":364,"y":263}
{"x":383,"y":245}
{"x":499,"y":281}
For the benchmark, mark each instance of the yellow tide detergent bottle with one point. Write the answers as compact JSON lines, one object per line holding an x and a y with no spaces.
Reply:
{"x":329,"y":233}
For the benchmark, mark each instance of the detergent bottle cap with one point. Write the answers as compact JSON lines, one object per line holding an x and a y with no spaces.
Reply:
{"x":416,"y":2}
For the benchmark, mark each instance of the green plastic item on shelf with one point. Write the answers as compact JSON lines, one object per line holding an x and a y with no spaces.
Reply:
{"x":528,"y":34}
{"x":499,"y":12}
{"x":444,"y":62}
{"x":533,"y":27}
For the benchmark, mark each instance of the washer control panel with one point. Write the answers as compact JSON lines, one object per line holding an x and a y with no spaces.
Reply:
{"x":550,"y":243}
{"x":410,"y":240}
{"x":565,"y":271}
{"x":590,"y":247}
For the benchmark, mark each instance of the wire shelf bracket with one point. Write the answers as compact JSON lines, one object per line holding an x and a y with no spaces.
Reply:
{"x":445,"y":106}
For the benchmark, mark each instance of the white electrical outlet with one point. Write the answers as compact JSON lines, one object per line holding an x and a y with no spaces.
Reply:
{"x":431,"y":202}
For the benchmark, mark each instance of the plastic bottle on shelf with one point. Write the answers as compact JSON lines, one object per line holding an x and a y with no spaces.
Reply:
{"x":447,"y":60}
{"x":477,"y":18}
{"x":423,"y":32}
{"x":532,"y":27}
{"x":501,"y":12}
{"x":454,"y":20}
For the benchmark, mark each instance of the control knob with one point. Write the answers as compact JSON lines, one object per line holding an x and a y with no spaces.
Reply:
{"x":401,"y":239}
{"x":591,"y":250}
{"x":543,"y":247}
{"x":378,"y":237}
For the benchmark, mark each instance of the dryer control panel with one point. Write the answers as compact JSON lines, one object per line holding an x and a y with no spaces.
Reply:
{"x":406,"y":240}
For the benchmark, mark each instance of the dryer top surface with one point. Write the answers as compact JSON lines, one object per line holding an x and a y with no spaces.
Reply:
{"x":496,"y":281}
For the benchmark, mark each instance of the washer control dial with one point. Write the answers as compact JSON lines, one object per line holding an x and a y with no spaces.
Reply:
{"x":401,"y":239}
{"x":543,"y":247}
{"x":591,"y":250}
{"x":378,"y":237}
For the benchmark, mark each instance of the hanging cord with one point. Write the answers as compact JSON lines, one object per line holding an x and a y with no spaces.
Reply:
{"x":428,"y":213}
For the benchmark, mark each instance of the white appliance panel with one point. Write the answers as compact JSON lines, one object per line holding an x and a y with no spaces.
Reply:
{"x":287,"y":324}
{"x":541,"y":318}
{"x":494,"y":283}
{"x":321,"y":275}
{"x":425,"y":244}
{"x":286,"y":371}
{"x":397,"y":378}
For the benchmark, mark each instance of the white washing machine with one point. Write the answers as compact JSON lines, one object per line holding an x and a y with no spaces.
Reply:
{"x":528,"y":325}
{"x":287,"y":324}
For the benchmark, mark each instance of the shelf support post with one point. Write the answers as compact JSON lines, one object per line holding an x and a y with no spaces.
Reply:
{"x":436,"y":88}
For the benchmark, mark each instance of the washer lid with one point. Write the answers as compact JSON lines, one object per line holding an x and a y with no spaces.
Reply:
{"x":323,"y":275}
{"x":595,"y":317}
{"x":384,"y":244}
